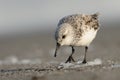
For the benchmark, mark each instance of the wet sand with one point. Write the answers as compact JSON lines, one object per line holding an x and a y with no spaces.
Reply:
{"x":39,"y":46}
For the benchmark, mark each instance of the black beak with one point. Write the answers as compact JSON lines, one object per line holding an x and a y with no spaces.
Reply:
{"x":57,"y":47}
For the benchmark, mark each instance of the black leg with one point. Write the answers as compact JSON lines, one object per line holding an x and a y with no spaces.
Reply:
{"x":84,"y":60}
{"x":70,"y":58}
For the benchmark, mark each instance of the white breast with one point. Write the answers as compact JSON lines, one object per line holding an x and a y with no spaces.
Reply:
{"x":87,"y":37}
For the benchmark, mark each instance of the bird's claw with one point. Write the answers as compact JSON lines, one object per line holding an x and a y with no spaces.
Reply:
{"x":84,"y":61}
{"x":70,"y":59}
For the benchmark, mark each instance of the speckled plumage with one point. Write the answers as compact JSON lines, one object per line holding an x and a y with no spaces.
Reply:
{"x":77,"y":30}
{"x":80,"y":23}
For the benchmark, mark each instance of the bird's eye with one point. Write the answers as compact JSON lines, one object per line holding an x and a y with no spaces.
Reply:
{"x":63,"y":36}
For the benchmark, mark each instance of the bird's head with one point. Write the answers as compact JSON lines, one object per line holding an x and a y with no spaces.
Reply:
{"x":64,"y":35}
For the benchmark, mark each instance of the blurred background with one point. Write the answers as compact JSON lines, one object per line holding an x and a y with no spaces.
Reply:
{"x":27,"y":28}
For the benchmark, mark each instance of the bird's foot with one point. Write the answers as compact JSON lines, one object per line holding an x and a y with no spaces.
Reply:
{"x":70,"y":59}
{"x":84,"y":61}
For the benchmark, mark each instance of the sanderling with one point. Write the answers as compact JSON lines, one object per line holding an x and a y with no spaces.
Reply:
{"x":76,"y":30}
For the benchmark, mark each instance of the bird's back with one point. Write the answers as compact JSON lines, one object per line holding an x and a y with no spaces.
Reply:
{"x":78,"y":20}
{"x":74,"y":20}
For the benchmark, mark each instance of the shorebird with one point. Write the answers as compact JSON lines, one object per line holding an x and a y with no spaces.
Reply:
{"x":76,"y":30}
